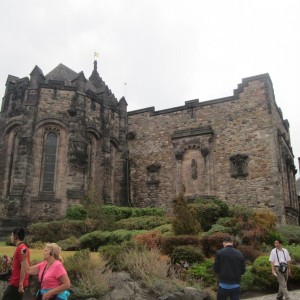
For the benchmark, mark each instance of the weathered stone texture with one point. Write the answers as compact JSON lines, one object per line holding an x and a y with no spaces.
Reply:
{"x":63,"y":136}
{"x":200,"y":160}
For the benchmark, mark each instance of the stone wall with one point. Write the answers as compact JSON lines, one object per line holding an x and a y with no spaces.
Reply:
{"x":224,"y":148}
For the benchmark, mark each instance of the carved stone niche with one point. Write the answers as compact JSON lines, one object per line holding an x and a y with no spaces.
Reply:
{"x":131,"y":135}
{"x":153,"y":171}
{"x":78,"y":155}
{"x":239,"y":165}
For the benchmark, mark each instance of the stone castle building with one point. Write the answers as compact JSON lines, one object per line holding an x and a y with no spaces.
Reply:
{"x":63,"y":136}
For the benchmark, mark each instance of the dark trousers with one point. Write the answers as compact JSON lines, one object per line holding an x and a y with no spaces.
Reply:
{"x":12,"y":293}
{"x":232,"y":294}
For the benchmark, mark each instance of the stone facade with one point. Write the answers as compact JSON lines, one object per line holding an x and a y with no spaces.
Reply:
{"x":235,"y":148}
{"x":63,"y":136}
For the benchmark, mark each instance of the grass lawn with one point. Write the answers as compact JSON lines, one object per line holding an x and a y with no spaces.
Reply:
{"x":36,"y":254}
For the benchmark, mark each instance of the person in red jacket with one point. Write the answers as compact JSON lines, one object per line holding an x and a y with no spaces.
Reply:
{"x":19,"y":279}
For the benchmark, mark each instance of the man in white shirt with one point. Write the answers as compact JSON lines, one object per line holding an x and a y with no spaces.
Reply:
{"x":280,"y":255}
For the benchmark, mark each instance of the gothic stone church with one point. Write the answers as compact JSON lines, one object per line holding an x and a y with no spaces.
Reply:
{"x":63,"y":136}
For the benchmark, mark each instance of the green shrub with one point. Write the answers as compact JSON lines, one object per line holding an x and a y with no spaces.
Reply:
{"x":76,"y":212}
{"x":247,"y":280}
{"x":95,"y":239}
{"x":121,"y":212}
{"x":272,"y":236}
{"x":263,"y":279}
{"x":169,"y":243}
{"x":70,"y":244}
{"x":144,"y":222}
{"x":60,"y":230}
{"x":113,"y":253}
{"x":204,"y":272}
{"x":219,"y":228}
{"x":166,"y":228}
{"x":209,"y":210}
{"x":185,"y":217}
{"x":295,"y":278}
{"x":294,"y":251}
{"x":187,"y":253}
{"x":290,"y":233}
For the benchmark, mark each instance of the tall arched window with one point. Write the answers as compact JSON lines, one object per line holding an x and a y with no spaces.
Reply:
{"x":49,"y":162}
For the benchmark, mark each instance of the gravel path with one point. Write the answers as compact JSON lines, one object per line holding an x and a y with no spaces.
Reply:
{"x":295,"y":295}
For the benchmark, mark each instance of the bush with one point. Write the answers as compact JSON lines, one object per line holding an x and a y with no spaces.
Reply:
{"x":250,"y":252}
{"x":219,"y":228}
{"x":290,"y":233}
{"x":294,"y":251}
{"x":76,"y":212}
{"x":59,"y":230}
{"x":149,"y":267}
{"x":169,"y":243}
{"x":70,"y":244}
{"x":96,"y":239}
{"x":209,"y":211}
{"x":204,"y":272}
{"x":150,"y":239}
{"x":144,"y":222}
{"x":247,"y":280}
{"x":119,"y":212}
{"x":185,"y":217}
{"x":265,"y":219}
{"x":164,"y":229}
{"x":212,"y":243}
{"x":263,"y":279}
{"x":187,"y":253}
{"x":89,"y":276}
{"x":272,"y":236}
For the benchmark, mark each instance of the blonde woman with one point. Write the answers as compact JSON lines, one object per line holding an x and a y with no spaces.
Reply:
{"x":51,"y":273}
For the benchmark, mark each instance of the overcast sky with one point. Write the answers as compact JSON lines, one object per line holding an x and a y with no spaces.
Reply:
{"x":167,"y":51}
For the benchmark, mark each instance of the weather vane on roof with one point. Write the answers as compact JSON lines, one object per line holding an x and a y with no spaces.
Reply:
{"x":96,"y":54}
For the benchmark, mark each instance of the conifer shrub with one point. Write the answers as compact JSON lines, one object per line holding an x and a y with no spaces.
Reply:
{"x":95,"y":239}
{"x":165,"y":229}
{"x":263,"y":279}
{"x":169,"y":243}
{"x":70,"y":244}
{"x":188,"y":253}
{"x":59,"y":230}
{"x":76,"y":212}
{"x":143,"y":222}
{"x":121,"y":212}
{"x":185,"y":217}
{"x":209,"y":210}
{"x":290,"y":233}
{"x":247,"y":280}
{"x":204,"y":272}
{"x":294,"y":251}
{"x":150,"y":239}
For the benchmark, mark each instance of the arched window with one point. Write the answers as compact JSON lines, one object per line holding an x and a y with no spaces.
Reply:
{"x":49,"y":161}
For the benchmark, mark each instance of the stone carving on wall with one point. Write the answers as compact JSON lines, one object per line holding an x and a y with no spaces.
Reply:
{"x":153,"y":171}
{"x":194,"y":169}
{"x":13,"y":208}
{"x":25,"y":144}
{"x":239,"y":165}
{"x":78,"y":154}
